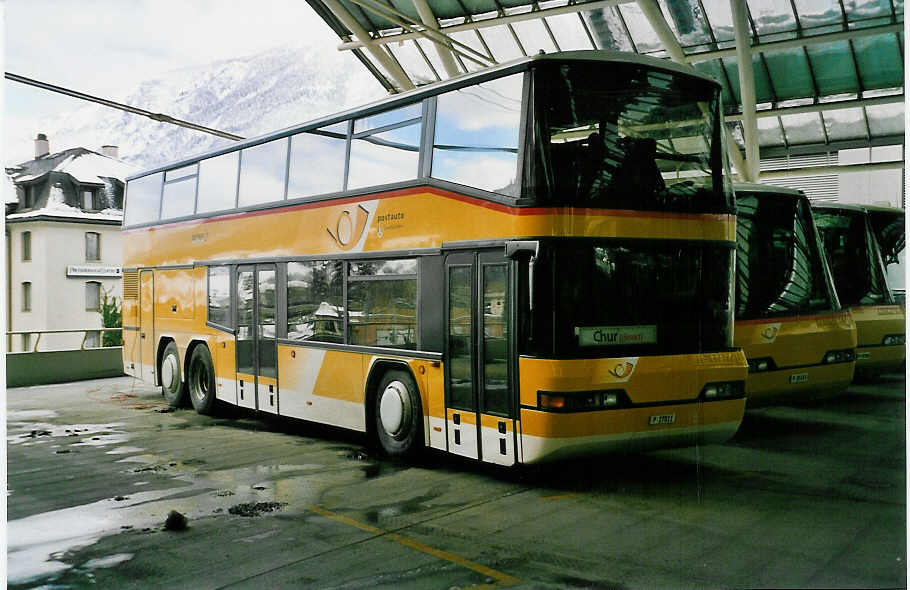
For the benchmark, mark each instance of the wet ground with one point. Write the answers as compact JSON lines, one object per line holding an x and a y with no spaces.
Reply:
{"x":803,"y":496}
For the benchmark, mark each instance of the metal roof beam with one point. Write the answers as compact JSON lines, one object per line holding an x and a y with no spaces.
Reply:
{"x":445,"y":54}
{"x":473,"y":25}
{"x":391,"y":66}
{"x":822,"y":107}
{"x":799,"y":42}
{"x":819,"y":170}
{"x":812,"y":149}
{"x":746,"y":87}
{"x":657,"y":21}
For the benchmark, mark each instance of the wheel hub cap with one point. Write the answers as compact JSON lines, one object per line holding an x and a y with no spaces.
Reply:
{"x":393,"y":408}
{"x":169,"y":372}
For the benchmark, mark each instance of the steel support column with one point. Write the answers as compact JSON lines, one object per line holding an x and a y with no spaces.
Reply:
{"x":747,"y":87}
{"x":429,"y":19}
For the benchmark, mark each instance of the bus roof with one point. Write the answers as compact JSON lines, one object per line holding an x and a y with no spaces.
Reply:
{"x":884,"y":209}
{"x":839,"y":206}
{"x":422,"y":92}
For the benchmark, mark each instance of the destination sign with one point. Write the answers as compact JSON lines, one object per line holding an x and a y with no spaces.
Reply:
{"x":615,"y":335}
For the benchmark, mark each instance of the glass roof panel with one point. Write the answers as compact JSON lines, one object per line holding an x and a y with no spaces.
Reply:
{"x":688,"y":22}
{"x":569,"y":32}
{"x":769,"y":132}
{"x":833,"y":67}
{"x":500,"y":41}
{"x":410,"y":59}
{"x":803,"y":128}
{"x":818,"y":13}
{"x":772,"y":16}
{"x":790,"y":76}
{"x":534,"y":37}
{"x":845,"y":124}
{"x":879,"y":60}
{"x":643,"y":35}
{"x":430,"y":50}
{"x":714,"y":68}
{"x":720,"y":18}
{"x":607,"y":29}
{"x":470,"y":39}
{"x":763,"y":91}
{"x":405,"y":7}
{"x":886,"y":119}
{"x":863,"y":9}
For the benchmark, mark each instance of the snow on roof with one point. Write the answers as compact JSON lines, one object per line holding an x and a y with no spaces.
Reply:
{"x":83,"y":165}
{"x":9,"y":190}
{"x":56,"y":207}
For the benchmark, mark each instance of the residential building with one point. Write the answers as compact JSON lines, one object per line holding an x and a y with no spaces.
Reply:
{"x":63,"y":245}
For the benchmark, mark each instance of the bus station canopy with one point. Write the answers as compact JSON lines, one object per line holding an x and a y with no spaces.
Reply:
{"x":799,"y":77}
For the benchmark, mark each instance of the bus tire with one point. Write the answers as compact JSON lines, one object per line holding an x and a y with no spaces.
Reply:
{"x":398,"y":413}
{"x":172,"y":388}
{"x":202,"y":380}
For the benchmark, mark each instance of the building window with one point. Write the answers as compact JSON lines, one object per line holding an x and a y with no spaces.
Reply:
{"x":92,"y":339}
{"x":29,"y":196}
{"x":26,"y":342}
{"x":92,"y":296}
{"x":88,"y":200}
{"x":26,"y":245}
{"x":26,"y":296}
{"x":92,"y":246}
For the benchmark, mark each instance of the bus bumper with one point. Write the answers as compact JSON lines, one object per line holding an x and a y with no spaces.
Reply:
{"x":548,"y":436}
{"x":803,"y":383}
{"x":880,"y":359}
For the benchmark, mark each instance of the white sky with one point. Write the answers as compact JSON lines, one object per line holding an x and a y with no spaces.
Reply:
{"x":106,"y":47}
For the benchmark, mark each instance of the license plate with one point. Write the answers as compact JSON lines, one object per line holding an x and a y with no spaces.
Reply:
{"x":662,"y":419}
{"x":862,"y":356}
{"x":799,"y":378}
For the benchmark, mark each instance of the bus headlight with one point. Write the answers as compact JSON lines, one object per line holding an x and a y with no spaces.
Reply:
{"x":580,"y":401}
{"x":723,"y":390}
{"x":894,"y":340}
{"x":839,"y":356}
{"x":761,"y":364}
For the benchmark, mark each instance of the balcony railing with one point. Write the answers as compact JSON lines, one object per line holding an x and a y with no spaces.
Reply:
{"x":85,"y":333}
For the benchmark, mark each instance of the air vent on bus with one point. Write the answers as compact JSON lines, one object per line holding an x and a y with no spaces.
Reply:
{"x":131,"y":284}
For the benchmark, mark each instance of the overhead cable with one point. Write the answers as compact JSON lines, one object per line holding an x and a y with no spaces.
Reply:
{"x":161,"y":118}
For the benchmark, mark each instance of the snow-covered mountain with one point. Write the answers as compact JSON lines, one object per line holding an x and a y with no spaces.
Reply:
{"x":246,"y":96}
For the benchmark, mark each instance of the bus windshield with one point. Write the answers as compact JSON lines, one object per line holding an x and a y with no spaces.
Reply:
{"x":853,"y":257}
{"x":779,"y":269}
{"x":889,"y":231}
{"x":634,"y":297}
{"x":628,"y":138}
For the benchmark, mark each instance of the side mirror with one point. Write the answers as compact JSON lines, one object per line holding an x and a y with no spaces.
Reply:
{"x":513,"y":249}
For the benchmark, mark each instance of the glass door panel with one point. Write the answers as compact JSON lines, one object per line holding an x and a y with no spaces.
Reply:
{"x":246,"y":341}
{"x":267,"y":374}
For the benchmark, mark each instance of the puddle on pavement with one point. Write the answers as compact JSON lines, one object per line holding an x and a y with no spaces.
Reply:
{"x":27,"y":433}
{"x":123,"y":450}
{"x":20,"y":415}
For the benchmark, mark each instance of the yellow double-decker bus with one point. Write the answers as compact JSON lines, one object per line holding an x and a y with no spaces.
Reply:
{"x":859,"y":276}
{"x":798,"y":341}
{"x":513,"y":266}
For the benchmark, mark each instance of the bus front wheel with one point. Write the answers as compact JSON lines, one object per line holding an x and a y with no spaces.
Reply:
{"x":398,"y":413}
{"x":172,"y":388}
{"x":202,"y":380}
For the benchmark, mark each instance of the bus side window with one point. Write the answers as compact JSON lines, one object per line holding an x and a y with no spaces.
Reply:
{"x":219,"y":296}
{"x":382,"y":303}
{"x":385,"y":147}
{"x":317,"y":161}
{"x":262,"y":173}
{"x":143,"y":199}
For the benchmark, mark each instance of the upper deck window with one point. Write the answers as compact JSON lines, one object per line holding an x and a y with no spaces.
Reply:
{"x":218,"y":183}
{"x":779,"y":268}
{"x":317,"y":161}
{"x":262,"y":173}
{"x":624,"y":136}
{"x":385,"y":148}
{"x":179,"y":198}
{"x":143,"y":199}
{"x":476,"y":137}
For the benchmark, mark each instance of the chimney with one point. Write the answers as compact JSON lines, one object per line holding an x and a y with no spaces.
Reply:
{"x":110,"y":151}
{"x":42,"y":147}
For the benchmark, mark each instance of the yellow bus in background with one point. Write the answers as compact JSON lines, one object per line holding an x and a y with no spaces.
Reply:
{"x":514,"y":266}
{"x":859,"y":277}
{"x":889,"y":227}
{"x":798,"y":341}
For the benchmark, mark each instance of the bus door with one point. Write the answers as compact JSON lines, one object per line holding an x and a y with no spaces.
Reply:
{"x":480,"y":420}
{"x":147,"y":360}
{"x":257,"y":349}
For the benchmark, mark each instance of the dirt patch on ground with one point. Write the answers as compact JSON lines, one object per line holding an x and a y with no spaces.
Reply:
{"x":255,"y":508}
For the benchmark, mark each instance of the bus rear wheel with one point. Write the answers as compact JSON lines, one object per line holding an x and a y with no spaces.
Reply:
{"x":398,"y":413}
{"x":172,"y":388}
{"x":202,"y":380}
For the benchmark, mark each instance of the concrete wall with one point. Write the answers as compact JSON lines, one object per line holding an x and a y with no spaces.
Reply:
{"x":39,"y":368}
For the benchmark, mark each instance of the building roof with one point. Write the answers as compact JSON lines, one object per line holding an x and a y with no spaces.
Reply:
{"x":82,"y":164}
